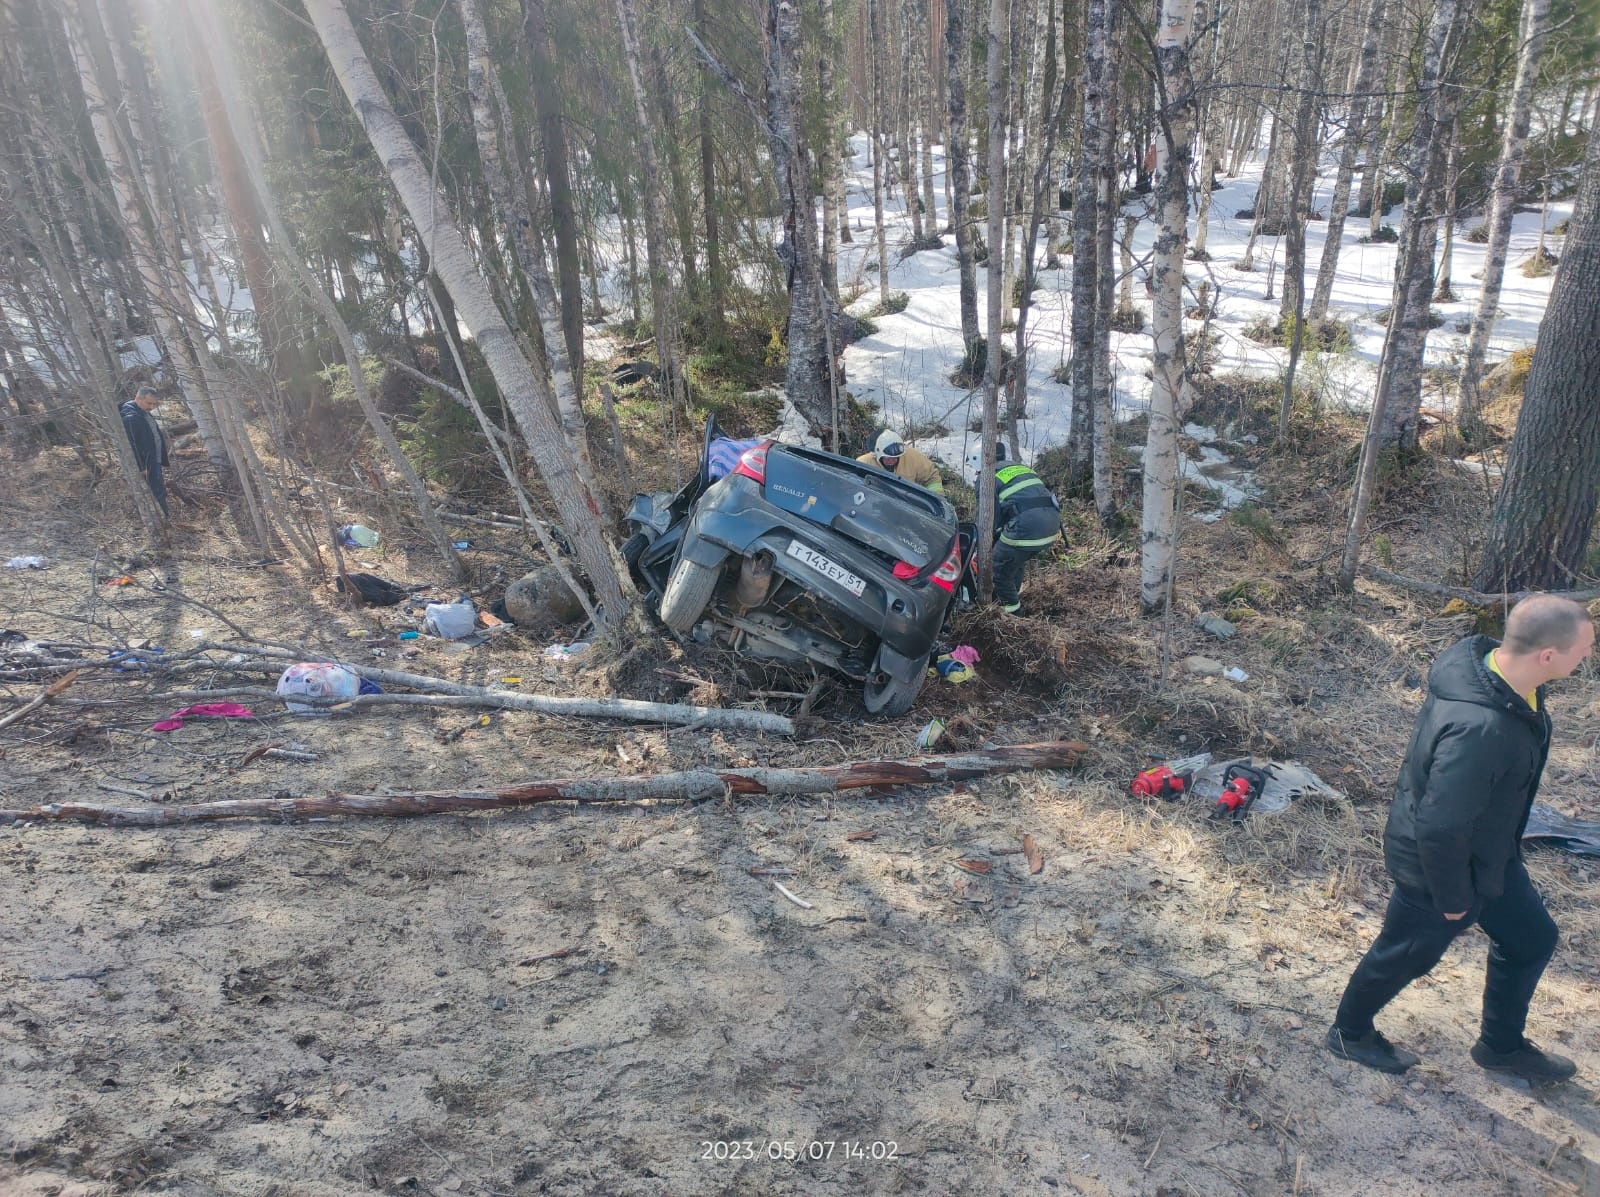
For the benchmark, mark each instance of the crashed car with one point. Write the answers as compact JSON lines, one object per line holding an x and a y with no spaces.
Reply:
{"x":798,"y":555}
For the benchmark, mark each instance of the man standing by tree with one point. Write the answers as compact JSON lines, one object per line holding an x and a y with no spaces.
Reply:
{"x":1453,"y":840}
{"x":148,"y":441}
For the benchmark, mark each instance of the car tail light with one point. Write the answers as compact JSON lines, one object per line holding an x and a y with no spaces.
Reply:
{"x":753,"y":463}
{"x":948,"y":574}
{"x":905,"y":571}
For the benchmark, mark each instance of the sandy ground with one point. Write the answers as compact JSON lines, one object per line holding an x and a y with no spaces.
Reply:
{"x":604,"y":1000}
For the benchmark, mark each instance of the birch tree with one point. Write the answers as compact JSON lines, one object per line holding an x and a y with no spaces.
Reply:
{"x":1168,"y":392}
{"x":1355,"y":132}
{"x":1502,"y":204}
{"x":955,"y":158}
{"x":1099,"y":81}
{"x":1438,"y":101}
{"x":577,"y":508}
{"x":995,"y":190}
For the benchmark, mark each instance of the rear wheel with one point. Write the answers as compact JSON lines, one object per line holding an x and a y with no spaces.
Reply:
{"x":892,"y":697}
{"x":688,"y":594}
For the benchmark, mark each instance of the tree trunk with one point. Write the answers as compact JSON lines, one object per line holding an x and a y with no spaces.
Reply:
{"x":1302,"y":166}
{"x":995,"y":193}
{"x":212,"y":47}
{"x":955,"y":158}
{"x":1354,"y":133}
{"x":1544,"y":514}
{"x":693,"y":785}
{"x":1437,"y":104}
{"x":716,"y":300}
{"x":577,"y":508}
{"x":517,"y":223}
{"x":553,"y":143}
{"x":1168,"y":393}
{"x":662,"y":310}
{"x":1442,"y":290}
{"x":1502,"y":205}
{"x":879,"y":168}
{"x":1098,"y":82}
{"x":682,"y":207}
{"x":809,"y":377}
{"x":828,"y":160}
{"x":83,"y":24}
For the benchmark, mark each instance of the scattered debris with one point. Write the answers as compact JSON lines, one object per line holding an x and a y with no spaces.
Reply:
{"x":1033,"y":854}
{"x":379,"y":592}
{"x":27,"y":563}
{"x":451,"y":621}
{"x":1215,"y":625}
{"x":1235,"y":674}
{"x":320,"y":679}
{"x":1203,"y":666}
{"x":976,"y":865}
{"x":357,"y":536}
{"x":758,"y":871}
{"x":864,"y":836}
{"x":784,"y":890}
{"x":203,"y":710}
{"x":930,"y":733}
{"x":1548,"y":826}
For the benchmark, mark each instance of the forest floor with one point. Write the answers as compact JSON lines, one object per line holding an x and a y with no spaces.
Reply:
{"x":580,"y":1000}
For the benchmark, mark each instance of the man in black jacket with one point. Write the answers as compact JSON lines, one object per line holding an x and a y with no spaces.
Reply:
{"x":1453,"y":841}
{"x":148,"y":441}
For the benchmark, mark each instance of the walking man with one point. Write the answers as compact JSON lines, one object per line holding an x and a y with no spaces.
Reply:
{"x":148,"y":441}
{"x":1027,"y":521}
{"x":1453,"y":841}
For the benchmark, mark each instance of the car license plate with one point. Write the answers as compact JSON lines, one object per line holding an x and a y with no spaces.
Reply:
{"x":828,"y":569}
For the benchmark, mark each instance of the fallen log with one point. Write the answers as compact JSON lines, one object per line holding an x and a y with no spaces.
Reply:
{"x":682,"y":714}
{"x":688,"y":786}
{"x":1478,"y":598}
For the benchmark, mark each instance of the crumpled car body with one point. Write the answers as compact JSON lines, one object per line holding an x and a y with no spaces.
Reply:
{"x":801,"y":555}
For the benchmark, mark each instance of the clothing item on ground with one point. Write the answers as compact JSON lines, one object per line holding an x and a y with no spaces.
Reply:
{"x":203,"y":710}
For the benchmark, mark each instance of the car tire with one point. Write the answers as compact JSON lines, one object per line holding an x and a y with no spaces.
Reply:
{"x":892,"y":697}
{"x":688,"y":594}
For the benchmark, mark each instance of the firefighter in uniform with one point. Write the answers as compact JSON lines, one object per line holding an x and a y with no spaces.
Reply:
{"x":891,"y":453}
{"x":1027,"y":521}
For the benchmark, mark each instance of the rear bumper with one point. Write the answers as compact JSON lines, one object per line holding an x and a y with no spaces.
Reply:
{"x":733,"y":519}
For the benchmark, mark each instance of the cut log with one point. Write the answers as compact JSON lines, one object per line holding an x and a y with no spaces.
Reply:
{"x":689,"y":786}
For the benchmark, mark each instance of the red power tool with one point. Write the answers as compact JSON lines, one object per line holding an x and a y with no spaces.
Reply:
{"x":1161,"y":782}
{"x":1241,"y":786}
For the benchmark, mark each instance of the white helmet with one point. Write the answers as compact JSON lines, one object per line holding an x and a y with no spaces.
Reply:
{"x":888,"y":445}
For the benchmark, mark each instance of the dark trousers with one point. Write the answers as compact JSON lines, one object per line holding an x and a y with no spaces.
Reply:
{"x":1522,"y":938}
{"x":1010,"y":562}
{"x":158,"y":486}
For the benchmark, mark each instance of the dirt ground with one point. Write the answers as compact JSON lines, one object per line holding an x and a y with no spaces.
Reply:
{"x":604,"y":1000}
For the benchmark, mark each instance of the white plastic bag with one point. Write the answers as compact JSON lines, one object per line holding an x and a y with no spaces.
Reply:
{"x":317,"y":679}
{"x":453,"y":621}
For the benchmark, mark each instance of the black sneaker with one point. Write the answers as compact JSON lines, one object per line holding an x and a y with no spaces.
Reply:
{"x":1370,"y":1049}
{"x":1532,"y":1065}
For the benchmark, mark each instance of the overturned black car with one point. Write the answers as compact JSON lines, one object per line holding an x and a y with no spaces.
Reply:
{"x":801,"y":555}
